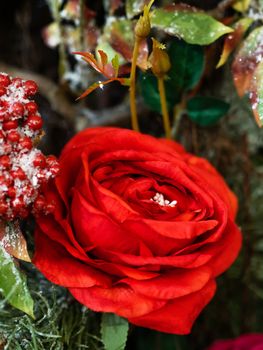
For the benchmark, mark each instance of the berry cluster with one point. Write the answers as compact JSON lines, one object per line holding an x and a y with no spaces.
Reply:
{"x":23,"y":168}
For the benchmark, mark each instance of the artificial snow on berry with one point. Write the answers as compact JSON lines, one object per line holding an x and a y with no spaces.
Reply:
{"x":23,"y":168}
{"x":30,"y":88}
{"x":34,"y":122}
{"x":4,"y":80}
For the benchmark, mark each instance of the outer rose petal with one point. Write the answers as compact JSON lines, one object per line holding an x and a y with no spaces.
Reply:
{"x":172,"y":284}
{"x":178,"y":315}
{"x":230,"y":247}
{"x":121,"y":300}
{"x":62,"y":268}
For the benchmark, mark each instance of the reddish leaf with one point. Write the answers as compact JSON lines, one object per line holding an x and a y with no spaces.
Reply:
{"x":256,"y":94}
{"x":90,"y":59}
{"x":109,"y":70}
{"x":247,"y":71}
{"x":103,"y":58}
{"x":246,"y":61}
{"x":114,"y":5}
{"x":13,"y":241}
{"x":121,"y":38}
{"x":72,"y":11}
{"x":233,"y":39}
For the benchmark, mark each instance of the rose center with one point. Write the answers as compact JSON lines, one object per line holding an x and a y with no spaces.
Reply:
{"x":159,"y":199}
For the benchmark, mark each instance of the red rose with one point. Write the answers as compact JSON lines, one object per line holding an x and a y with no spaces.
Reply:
{"x":141,"y":228}
{"x":244,"y":342}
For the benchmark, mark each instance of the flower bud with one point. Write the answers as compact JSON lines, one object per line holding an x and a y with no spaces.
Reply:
{"x":143,"y":26}
{"x":159,"y":60}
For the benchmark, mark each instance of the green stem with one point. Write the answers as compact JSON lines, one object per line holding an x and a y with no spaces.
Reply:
{"x":165,"y":114}
{"x":134,"y":117}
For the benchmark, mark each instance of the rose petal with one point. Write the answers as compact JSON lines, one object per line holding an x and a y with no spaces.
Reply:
{"x":178,"y":316}
{"x":215,"y":180}
{"x":62,"y":268}
{"x":62,"y":234}
{"x":172,"y":284}
{"x":121,"y":300}
{"x":179,"y":230}
{"x":227,"y":249}
{"x":94,"y":228}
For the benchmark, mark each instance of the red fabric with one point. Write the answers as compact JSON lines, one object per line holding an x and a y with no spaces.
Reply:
{"x":244,"y":342}
{"x":117,"y":249}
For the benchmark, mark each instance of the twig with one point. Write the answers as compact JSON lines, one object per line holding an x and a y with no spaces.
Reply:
{"x":54,"y":94}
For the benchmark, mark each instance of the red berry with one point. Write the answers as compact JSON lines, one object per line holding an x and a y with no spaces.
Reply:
{"x":26,"y":143}
{"x":2,"y":135}
{"x":54,"y":169}
{"x":3,"y":208}
{"x":13,"y":136}
{"x":31,"y":107}
{"x":4,"y":80}
{"x":40,"y":160}
{"x":34,"y":122}
{"x":6,"y":181}
{"x":18,"y":174}
{"x":17,"y":82}
{"x":5,"y":162}
{"x":18,"y":203}
{"x":18,"y":109}
{"x":51,"y":160}
{"x":2,"y":180}
{"x":50,"y":207}
{"x":30,"y":87}
{"x":23,"y":213}
{"x":39,"y":203}
{"x":11,"y":192}
{"x":7,"y":148}
{"x":5,"y":104}
{"x":41,"y":176}
{"x":3,"y":114}
{"x":11,"y":124}
{"x":28,"y":190}
{"x":2,"y":90}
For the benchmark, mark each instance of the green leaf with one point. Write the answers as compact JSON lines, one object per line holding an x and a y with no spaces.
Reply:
{"x":116,"y":64}
{"x":195,"y":27}
{"x":149,"y":90}
{"x":134,"y":7}
{"x":188,"y":63}
{"x":187,"y":66}
{"x":206,"y":111}
{"x":13,"y":284}
{"x":114,"y":331}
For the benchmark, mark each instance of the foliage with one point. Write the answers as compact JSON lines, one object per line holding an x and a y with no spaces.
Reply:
{"x":60,"y":322}
{"x":206,"y":111}
{"x":114,"y":331}
{"x":13,"y":285}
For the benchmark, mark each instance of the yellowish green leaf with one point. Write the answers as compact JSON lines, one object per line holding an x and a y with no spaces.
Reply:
{"x":195,"y":27}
